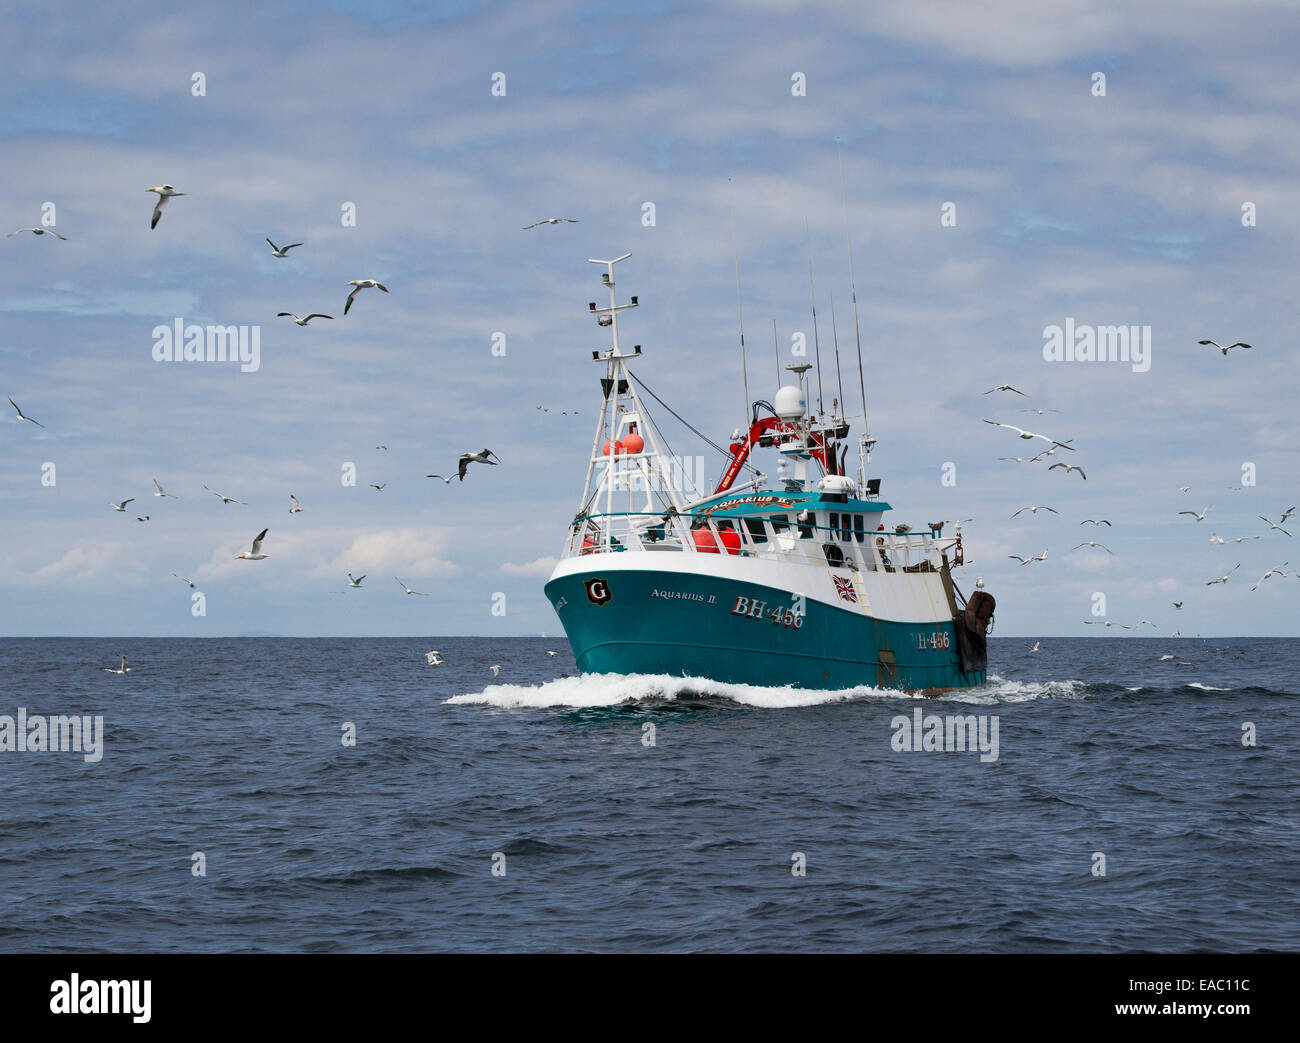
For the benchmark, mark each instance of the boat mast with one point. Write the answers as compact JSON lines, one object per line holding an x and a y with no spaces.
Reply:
{"x":812,"y":299}
{"x":864,"y":441}
{"x":740,"y":312}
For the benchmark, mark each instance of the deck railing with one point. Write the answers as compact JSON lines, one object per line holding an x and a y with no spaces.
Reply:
{"x":758,"y":537}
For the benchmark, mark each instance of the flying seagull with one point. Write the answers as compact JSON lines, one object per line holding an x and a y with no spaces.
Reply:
{"x":121,"y":507}
{"x":1106,"y":623}
{"x":1243,"y":539}
{"x":360,"y":285}
{"x":165,"y":192}
{"x":255,"y":554}
{"x":1029,"y":434}
{"x":160,"y":491}
{"x":1094,"y":543}
{"x":1034,"y":646}
{"x":282,"y":251}
{"x":303,"y":321}
{"x":22,"y":417}
{"x":1224,"y":577}
{"x":1026,"y":561}
{"x":552,"y":221}
{"x":1097,"y":521}
{"x":1040,"y":412}
{"x":296,"y":508}
{"x":1271,"y":526}
{"x":496,"y":669}
{"x":1272,"y":572}
{"x":123,"y":669}
{"x":188,"y":582}
{"x":1198,"y":517}
{"x":225,"y":499}
{"x":1285,"y":515}
{"x":1177,"y":604}
{"x":409,"y":590}
{"x":467,"y":458}
{"x":1005,"y":387}
{"x":36,"y":231}
{"x":1035,"y":510}
{"x":1238,"y":344}
{"x":1215,"y":538}
{"x":142,"y":518}
{"x":1069,"y":468}
{"x":379,"y":487}
{"x":1019,"y":459}
{"x":354,"y":582}
{"x":433,"y":659}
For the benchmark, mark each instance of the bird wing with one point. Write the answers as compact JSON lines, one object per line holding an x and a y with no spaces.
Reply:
{"x":157,"y":211}
{"x":351,"y":296}
{"x":488,"y":452}
{"x":257,"y":543}
{"x":464,"y":466}
{"x":382,"y":286}
{"x":317,"y":315}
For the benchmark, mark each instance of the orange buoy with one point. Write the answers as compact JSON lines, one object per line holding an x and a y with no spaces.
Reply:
{"x":633,"y":443}
{"x":704,"y":541}
{"x":731,"y":540}
{"x":618,"y":448}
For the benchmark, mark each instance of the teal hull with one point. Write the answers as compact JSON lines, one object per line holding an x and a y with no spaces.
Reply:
{"x":628,"y":627}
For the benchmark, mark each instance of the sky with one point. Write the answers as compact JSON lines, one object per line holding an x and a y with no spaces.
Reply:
{"x":1167,"y":202}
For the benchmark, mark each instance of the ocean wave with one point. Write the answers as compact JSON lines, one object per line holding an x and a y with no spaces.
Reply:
{"x":596,"y":690}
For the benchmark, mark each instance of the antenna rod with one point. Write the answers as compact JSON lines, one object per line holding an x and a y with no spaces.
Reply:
{"x":836,"y":333}
{"x":812,"y":297}
{"x":844,"y":196}
{"x":740,"y":312}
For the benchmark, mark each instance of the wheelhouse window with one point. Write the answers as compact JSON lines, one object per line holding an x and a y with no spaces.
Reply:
{"x":858,"y":528}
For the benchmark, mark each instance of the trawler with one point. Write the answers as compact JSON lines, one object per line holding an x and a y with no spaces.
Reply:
{"x":803,"y":585}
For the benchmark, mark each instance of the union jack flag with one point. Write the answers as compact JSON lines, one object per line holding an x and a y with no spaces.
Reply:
{"x":844,"y":588}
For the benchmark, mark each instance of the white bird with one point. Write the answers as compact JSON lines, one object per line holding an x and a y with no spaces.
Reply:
{"x":552,"y":221}
{"x":256,"y":553}
{"x":189,"y":583}
{"x":36,"y":231}
{"x":1184,"y":488}
{"x":1040,"y":412}
{"x":1198,"y":517}
{"x":1272,"y":572}
{"x":409,"y":590}
{"x":161,"y":491}
{"x":1148,"y":623}
{"x":306,"y":319}
{"x":354,"y":582}
{"x":1034,"y":646}
{"x":467,"y":458}
{"x":1238,"y":344}
{"x":379,"y":487}
{"x":1164,"y":657}
{"x":1095,"y":521}
{"x":282,"y":251}
{"x":1029,"y":434}
{"x":1004,"y":387}
{"x":1106,"y":623}
{"x":225,"y":499}
{"x":495,"y":670}
{"x":1216,"y":538}
{"x":1271,"y":526}
{"x":433,"y":659}
{"x":121,"y":507}
{"x":1026,"y":561}
{"x":22,"y":417}
{"x":1285,"y":515}
{"x":1243,"y":539}
{"x":1094,"y":543}
{"x":1051,"y":451}
{"x":549,"y":652}
{"x":165,"y":192}
{"x":445,"y":480}
{"x":1069,"y":468}
{"x":361,"y":284}
{"x":979,"y":582}
{"x":123,"y":669}
{"x":1224,"y":577}
{"x":1035,"y":510}
{"x":1019,"y":459}
{"x":297,"y":507}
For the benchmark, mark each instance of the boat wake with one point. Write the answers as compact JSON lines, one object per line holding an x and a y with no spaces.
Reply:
{"x":593,"y":690}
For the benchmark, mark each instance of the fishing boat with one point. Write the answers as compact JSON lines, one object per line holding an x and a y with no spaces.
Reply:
{"x":797,"y":582}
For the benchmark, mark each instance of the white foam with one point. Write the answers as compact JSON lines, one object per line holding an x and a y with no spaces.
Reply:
{"x":591,"y":690}
{"x":1207,"y":687}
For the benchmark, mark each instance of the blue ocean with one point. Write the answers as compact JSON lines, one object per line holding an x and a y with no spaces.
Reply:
{"x":342,"y":795}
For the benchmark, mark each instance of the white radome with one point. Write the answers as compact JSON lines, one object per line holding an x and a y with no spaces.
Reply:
{"x":790,"y":404}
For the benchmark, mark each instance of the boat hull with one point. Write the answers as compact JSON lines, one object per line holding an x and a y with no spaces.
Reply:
{"x":648,"y":621}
